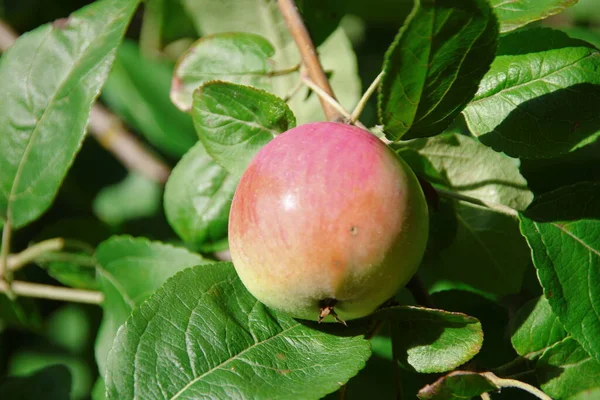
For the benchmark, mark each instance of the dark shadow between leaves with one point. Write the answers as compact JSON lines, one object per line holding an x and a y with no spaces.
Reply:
{"x":355,"y":327}
{"x":570,"y":203}
{"x":520,"y":42}
{"x":545,"y":175}
{"x":546,"y":373}
{"x":549,"y":125}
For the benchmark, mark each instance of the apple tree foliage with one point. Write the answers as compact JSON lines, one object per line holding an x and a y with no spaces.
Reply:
{"x":494,"y":104}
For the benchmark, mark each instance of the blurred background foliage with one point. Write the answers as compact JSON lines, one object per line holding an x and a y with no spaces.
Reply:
{"x":100,"y":198}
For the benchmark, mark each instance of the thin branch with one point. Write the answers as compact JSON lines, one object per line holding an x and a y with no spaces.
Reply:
{"x":511,"y":212}
{"x":223,"y":255}
{"x":331,"y":101}
{"x":112,"y":135}
{"x":7,"y":36}
{"x":151,"y":30}
{"x":110,"y":132}
{"x":40,"y":291}
{"x":485,"y":396}
{"x":28,"y":255}
{"x":309,"y":55}
{"x":6,"y":236}
{"x":42,"y":249}
{"x":360,"y":107}
{"x":503,"y":383}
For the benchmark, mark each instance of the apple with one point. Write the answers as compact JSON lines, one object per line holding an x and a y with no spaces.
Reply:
{"x":327,"y":219}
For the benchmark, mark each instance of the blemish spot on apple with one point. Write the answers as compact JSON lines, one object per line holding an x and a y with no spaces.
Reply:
{"x":354,"y":230}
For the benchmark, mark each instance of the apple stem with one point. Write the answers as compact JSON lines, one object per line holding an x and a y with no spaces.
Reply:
{"x":308,"y":52}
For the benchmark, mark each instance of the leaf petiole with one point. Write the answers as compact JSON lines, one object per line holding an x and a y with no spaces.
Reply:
{"x":365,"y":98}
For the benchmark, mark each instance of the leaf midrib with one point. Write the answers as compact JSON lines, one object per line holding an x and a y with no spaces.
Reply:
{"x":217,"y":367}
{"x":535,"y":80}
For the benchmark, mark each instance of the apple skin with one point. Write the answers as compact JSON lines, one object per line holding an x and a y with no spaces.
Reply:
{"x":327,"y":211}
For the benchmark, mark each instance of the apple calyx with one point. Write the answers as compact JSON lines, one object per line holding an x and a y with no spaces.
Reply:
{"x":327,"y":308}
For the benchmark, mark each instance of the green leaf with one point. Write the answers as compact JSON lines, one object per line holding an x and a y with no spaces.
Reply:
{"x":498,"y":255}
{"x":51,"y":383}
{"x":563,"y":231}
{"x":567,"y":203}
{"x":198,"y":197}
{"x":134,"y":197}
{"x":433,"y":68}
{"x":129,"y":271}
{"x":50,"y":78}
{"x":591,"y":394}
{"x":537,"y":328}
{"x":242,"y":58}
{"x":137,"y":89}
{"x":566,"y":371}
{"x":456,"y":386}
{"x":202,"y":332}
{"x":463,"y":165}
{"x":515,"y":13}
{"x":431,"y":340}
{"x":577,"y":166}
{"x":583,"y":33}
{"x":234,"y":122}
{"x":538,"y":112}
{"x":263,"y":18}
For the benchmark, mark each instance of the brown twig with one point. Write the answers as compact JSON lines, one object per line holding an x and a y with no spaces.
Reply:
{"x":310,"y":59}
{"x":40,"y":291}
{"x":7,"y":36}
{"x":110,"y":132}
{"x":113,"y":136}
